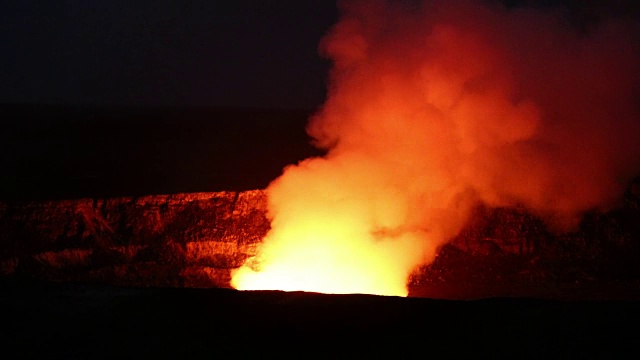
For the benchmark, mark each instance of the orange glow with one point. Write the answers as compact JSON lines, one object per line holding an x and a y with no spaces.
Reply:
{"x":327,"y":261}
{"x":433,"y":108}
{"x":322,"y":240}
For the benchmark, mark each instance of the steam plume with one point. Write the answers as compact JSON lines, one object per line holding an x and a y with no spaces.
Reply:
{"x":436,"y":106}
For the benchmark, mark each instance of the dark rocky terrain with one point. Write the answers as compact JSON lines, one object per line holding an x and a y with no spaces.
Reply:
{"x":181,"y":240}
{"x":196,"y":239}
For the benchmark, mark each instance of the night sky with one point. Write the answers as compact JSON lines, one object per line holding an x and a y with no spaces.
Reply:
{"x":185,"y":53}
{"x":164,"y":52}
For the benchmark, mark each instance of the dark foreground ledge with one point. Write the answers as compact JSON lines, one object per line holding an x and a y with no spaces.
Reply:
{"x":88,"y":321}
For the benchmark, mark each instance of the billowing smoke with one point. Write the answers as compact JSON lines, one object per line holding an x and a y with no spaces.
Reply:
{"x":434,"y":107}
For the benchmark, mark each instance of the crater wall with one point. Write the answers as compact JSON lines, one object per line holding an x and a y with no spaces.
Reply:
{"x":197,"y":239}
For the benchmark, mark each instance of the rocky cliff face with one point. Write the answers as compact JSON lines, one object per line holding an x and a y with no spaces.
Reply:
{"x":163,"y":240}
{"x":196,"y":239}
{"x":507,"y":246}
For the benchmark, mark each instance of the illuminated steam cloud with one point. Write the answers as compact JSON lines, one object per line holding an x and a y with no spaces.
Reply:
{"x":434,"y":107}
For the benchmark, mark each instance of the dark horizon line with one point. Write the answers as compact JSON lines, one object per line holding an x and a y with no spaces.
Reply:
{"x":122,"y":106}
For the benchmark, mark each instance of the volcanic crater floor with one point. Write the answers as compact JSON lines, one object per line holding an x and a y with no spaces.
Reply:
{"x":87,"y":321}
